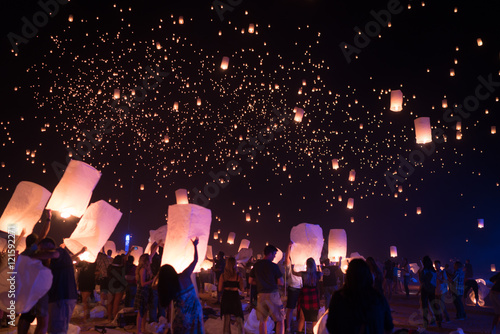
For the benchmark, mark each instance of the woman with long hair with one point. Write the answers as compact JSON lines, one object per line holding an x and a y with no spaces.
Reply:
{"x":142,"y":301}
{"x":116,"y":286}
{"x":428,"y":281}
{"x":309,"y":294}
{"x":358,"y":307}
{"x":179,"y":288}
{"x":378,"y":277}
{"x":229,"y":283}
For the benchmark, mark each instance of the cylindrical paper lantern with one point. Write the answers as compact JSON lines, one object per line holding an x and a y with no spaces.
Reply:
{"x":116,"y":94}
{"x":459,"y":135}
{"x":278,"y":257}
{"x":493,"y":129}
{"x":110,"y":245}
{"x":198,"y":102}
{"x":394,"y":251}
{"x":24,"y":208}
{"x":70,"y":18}
{"x":244,"y":244}
{"x":352,"y":175}
{"x":247,"y":217}
{"x":181,"y":19}
{"x":458,"y":126}
{"x":335,"y":163}
{"x":479,"y":42}
{"x":299,"y":113}
{"x":176,"y":105}
{"x":216,"y":235}
{"x":444,"y":103}
{"x":423,"y":132}
{"x":307,"y":242}
{"x":72,"y":194}
{"x":493,"y":267}
{"x":251,"y":28}
{"x":94,"y":229}
{"x":480,"y":223}
{"x":350,"y":203}
{"x":419,"y":210}
{"x":181,"y":196}
{"x":452,"y":72}
{"x":225,"y":63}
{"x":209,"y":255}
{"x":230,"y":238}
{"x":337,"y":244}
{"x":136,"y":253}
{"x":396,"y":100}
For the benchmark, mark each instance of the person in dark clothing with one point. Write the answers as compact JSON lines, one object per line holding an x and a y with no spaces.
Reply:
{"x":86,"y":284}
{"x":157,"y":310}
{"x":131,"y":290}
{"x":378,"y":277}
{"x":219,"y":265}
{"x":428,"y":281}
{"x":332,"y":279}
{"x":229,"y":283}
{"x":495,"y":300}
{"x":358,"y":307}
{"x":388,"y":277}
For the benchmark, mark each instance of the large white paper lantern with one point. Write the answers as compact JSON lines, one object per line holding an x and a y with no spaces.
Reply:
{"x":394,"y":251}
{"x":244,"y":244}
{"x":279,"y":256}
{"x":181,"y":196}
{"x":159,"y":235}
{"x":225,"y":63}
{"x":396,"y":100}
{"x":186,"y":222}
{"x":423,"y":132}
{"x":337,"y":244}
{"x":24,"y":208}
{"x":94,"y":229}
{"x":244,"y":255}
{"x":307,"y":242}
{"x":230,"y":238}
{"x":299,"y":113}
{"x":209,"y":255}
{"x":110,"y":245}
{"x":72,"y":194}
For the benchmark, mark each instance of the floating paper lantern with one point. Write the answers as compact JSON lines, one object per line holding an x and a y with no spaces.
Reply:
{"x":251,"y":28}
{"x":479,"y":42}
{"x":225,"y":63}
{"x":230,"y":238}
{"x":458,"y":126}
{"x":400,"y":188}
{"x":72,"y":194}
{"x":493,"y":268}
{"x":350,"y":203}
{"x":110,"y":245}
{"x":352,"y":175}
{"x":24,"y":208}
{"x":186,"y":222}
{"x":116,"y":94}
{"x":335,"y":163}
{"x":159,"y":235}
{"x":493,"y":129}
{"x":480,"y":223}
{"x":198,"y":102}
{"x":244,"y":244}
{"x":247,"y":217}
{"x":337,"y":244}
{"x":181,"y":19}
{"x":452,"y":72}
{"x":419,"y":210}
{"x":299,"y":113}
{"x":176,"y":105}
{"x":459,"y":135}
{"x":444,"y":104}
{"x":396,"y":100}
{"x":423,"y":132}
{"x":244,"y":255}
{"x":394,"y":251}
{"x":307,"y":242}
{"x":181,"y":196}
{"x":141,"y":187}
{"x":70,"y":18}
{"x":94,"y":229}
{"x":216,"y":235}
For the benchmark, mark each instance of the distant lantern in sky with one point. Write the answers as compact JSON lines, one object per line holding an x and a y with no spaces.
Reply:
{"x":230,"y":238}
{"x":394,"y":251}
{"x":337,"y":244}
{"x":419,"y":210}
{"x":444,"y":103}
{"x":176,"y":105}
{"x":335,"y":163}
{"x":247,"y":217}
{"x":245,"y":243}
{"x":116,"y":94}
{"x":352,"y":175}
{"x":479,"y":42}
{"x":70,"y":18}
{"x":181,"y":19}
{"x":480,"y":223}
{"x":458,"y":126}
{"x":423,"y":132}
{"x":350,"y":203}
{"x":396,"y":100}
{"x":216,"y":235}
{"x":493,"y":268}
{"x":141,"y":187}
{"x":181,"y":196}
{"x":452,"y":72}
{"x":400,"y":188}
{"x":299,"y":113}
{"x":251,"y":28}
{"x":225,"y":63}
{"x":158,"y":46}
{"x":198,"y":102}
{"x":493,"y":129}
{"x":459,"y":135}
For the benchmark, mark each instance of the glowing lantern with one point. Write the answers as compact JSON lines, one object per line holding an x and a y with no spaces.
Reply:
{"x":116,"y":94}
{"x":24,"y":208}
{"x":278,"y":257}
{"x":244,"y":255}
{"x":396,"y":100}
{"x":72,"y":194}
{"x":299,"y":113}
{"x":181,"y":20}
{"x":337,"y":244}
{"x":159,"y":235}
{"x":94,"y":229}
{"x":480,"y":223}
{"x":181,"y":196}
{"x":225,"y":63}
{"x":394,"y":251}
{"x":198,"y":102}
{"x":186,"y":222}
{"x":444,"y":104}
{"x":350,"y":203}
{"x":307,"y":242}
{"x":251,"y":28}
{"x":452,"y":72}
{"x":216,"y":235}
{"x":176,"y":105}
{"x":419,"y":210}
{"x":400,"y":188}
{"x":136,"y":254}
{"x":247,"y":217}
{"x":493,"y":268}
{"x":141,"y":187}
{"x":352,"y":175}
{"x":459,"y":135}
{"x":423,"y":132}
{"x":70,"y":18}
{"x":230,"y":238}
{"x":335,"y":163}
{"x":479,"y":42}
{"x":158,"y":46}
{"x":458,"y":126}
{"x":493,"y":129}
{"x":244,"y":244}
{"x":110,"y":245}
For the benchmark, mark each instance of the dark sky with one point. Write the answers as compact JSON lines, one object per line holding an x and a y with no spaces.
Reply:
{"x":61,"y":83}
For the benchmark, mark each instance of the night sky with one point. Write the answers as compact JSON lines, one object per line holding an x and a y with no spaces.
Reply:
{"x":58,"y":100}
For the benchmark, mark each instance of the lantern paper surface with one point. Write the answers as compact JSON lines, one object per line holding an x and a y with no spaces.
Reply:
{"x":209,"y":254}
{"x":414,"y":268}
{"x":394,"y":251}
{"x":136,"y":253}
{"x":279,"y":256}
{"x":244,"y":255}
{"x":396,"y":100}
{"x":423,"y":132}
{"x":24,"y":208}
{"x":230,"y":238}
{"x":244,"y":244}
{"x":337,"y":244}
{"x":158,"y":235}
{"x":110,"y":245}
{"x":307,"y":242}
{"x":186,"y":222}
{"x":72,"y":194}
{"x":94,"y":229}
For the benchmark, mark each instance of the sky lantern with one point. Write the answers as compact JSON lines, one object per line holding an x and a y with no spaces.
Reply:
{"x":24,"y":208}
{"x":244,"y":244}
{"x":185,"y":223}
{"x":181,"y":19}
{"x":72,"y":194}
{"x":444,"y":103}
{"x":479,"y":42}
{"x":400,"y":188}
{"x":350,"y":203}
{"x":396,"y":100}
{"x":452,"y":72}
{"x":335,"y":163}
{"x":225,"y":63}
{"x":251,"y":28}
{"x":480,"y":223}
{"x":458,"y":126}
{"x":110,"y":245}
{"x":493,"y":129}
{"x":459,"y":135}
{"x":352,"y":175}
{"x":70,"y":18}
{"x":493,"y":268}
{"x":176,"y":105}
{"x":216,"y":235}
{"x":230,"y":238}
{"x":337,"y":244}
{"x":279,"y":256}
{"x":419,"y":210}
{"x":247,"y":217}
{"x":198,"y":102}
{"x":307,"y":242}
{"x":423,"y":132}
{"x":181,"y":196}
{"x":394,"y":251}
{"x":116,"y":94}
{"x":299,"y":113}
{"x":93,"y":230}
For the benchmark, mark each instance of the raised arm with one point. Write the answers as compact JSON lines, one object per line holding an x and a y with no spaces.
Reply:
{"x":288,"y":259}
{"x":189,"y":270}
